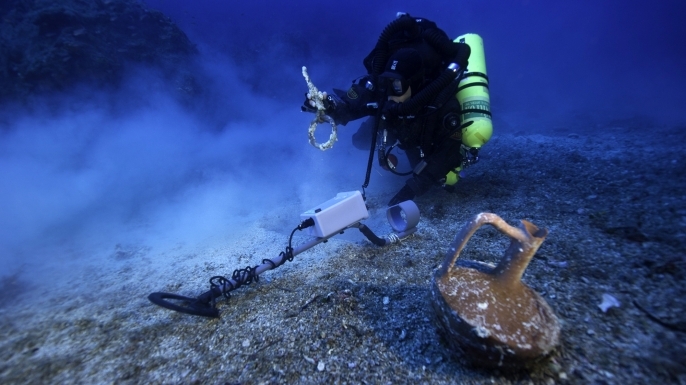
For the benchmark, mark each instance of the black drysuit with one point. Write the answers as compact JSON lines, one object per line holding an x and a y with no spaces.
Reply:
{"x":430,"y":135}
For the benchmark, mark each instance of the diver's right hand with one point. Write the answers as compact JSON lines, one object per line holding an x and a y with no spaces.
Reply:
{"x":309,"y":105}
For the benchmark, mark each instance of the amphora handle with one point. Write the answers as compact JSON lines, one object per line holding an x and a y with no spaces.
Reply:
{"x":525,"y":241}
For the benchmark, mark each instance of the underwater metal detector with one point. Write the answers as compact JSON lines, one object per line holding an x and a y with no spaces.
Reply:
{"x":330,"y":218}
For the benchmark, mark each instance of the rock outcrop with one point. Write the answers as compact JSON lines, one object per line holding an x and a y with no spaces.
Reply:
{"x":48,"y":46}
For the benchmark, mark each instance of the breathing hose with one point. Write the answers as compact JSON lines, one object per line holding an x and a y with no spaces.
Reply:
{"x":403,"y":23}
{"x":429,"y":93}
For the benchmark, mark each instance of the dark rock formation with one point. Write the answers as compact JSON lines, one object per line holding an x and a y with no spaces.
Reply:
{"x":48,"y":46}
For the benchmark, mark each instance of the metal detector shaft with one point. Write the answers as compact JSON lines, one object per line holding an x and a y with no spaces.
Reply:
{"x":204,"y":304}
{"x":277,"y":261}
{"x":402,"y":217}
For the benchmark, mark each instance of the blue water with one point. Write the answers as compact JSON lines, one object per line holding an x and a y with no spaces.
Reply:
{"x":85,"y":179}
{"x":546,"y":59}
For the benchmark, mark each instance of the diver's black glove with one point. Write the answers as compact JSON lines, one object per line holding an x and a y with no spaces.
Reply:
{"x":328,"y":102}
{"x":405,"y":194}
{"x":307,"y":107}
{"x":391,"y":111}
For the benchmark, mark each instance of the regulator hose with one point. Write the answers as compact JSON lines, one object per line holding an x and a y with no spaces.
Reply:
{"x":451,"y":51}
{"x":403,"y":23}
{"x":439,"y":41}
{"x":434,"y":37}
{"x":430,"y":92}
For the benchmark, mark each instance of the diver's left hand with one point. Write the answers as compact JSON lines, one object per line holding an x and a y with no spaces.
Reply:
{"x":391,"y":110}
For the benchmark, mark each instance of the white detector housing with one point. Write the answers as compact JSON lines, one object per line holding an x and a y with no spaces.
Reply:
{"x":334,"y":215}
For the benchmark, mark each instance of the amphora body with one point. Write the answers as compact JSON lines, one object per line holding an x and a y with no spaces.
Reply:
{"x":487,"y":313}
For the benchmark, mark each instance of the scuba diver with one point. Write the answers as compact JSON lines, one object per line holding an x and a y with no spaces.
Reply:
{"x":413,"y":74}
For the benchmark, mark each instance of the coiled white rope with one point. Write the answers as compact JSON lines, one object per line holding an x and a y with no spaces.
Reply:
{"x":318,"y":97}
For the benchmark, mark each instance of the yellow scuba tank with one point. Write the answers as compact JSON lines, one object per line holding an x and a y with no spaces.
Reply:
{"x":473,"y":95}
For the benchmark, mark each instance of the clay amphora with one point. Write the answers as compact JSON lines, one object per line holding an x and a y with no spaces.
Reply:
{"x":487,"y":313}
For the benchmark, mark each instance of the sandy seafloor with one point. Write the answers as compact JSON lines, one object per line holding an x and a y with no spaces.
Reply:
{"x":612,"y":195}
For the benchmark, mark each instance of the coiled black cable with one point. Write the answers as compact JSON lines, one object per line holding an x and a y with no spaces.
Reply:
{"x":245,"y":276}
